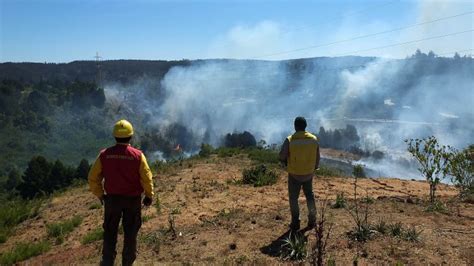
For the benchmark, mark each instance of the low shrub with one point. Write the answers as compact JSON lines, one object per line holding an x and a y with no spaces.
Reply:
{"x":361,"y":233}
{"x":437,"y":206}
{"x":23,"y":251}
{"x":340,"y":201}
{"x":92,"y":236}
{"x":411,"y":234}
{"x":15,"y":211}
{"x":367,"y":199}
{"x":153,"y":240}
{"x":381,"y":227}
{"x":61,"y":229}
{"x":259,"y":176}
{"x":294,"y":247}
{"x":396,"y":229}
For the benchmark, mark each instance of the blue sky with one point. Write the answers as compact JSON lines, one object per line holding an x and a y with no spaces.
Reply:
{"x":68,"y":30}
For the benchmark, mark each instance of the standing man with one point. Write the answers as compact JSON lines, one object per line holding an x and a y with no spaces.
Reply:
{"x":125,"y":175}
{"x":300,"y":152}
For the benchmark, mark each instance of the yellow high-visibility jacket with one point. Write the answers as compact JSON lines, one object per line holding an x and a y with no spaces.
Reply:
{"x":302,"y":153}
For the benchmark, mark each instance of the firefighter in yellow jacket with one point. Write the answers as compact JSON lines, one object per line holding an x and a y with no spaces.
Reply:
{"x":118,"y":178}
{"x":300,"y":152}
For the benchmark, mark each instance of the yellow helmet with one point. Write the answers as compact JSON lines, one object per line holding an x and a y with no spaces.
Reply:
{"x":123,"y":129}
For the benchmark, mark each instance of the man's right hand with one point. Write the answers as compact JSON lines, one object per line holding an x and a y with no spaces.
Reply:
{"x":147,"y":201}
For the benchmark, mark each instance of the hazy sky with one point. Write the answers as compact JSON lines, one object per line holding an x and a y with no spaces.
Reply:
{"x":67,"y":30}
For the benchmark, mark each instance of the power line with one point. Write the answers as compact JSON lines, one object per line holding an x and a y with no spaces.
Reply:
{"x":350,"y":14}
{"x":403,"y":43}
{"x":362,"y":36}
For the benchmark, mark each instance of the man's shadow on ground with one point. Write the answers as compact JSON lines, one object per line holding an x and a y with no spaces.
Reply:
{"x":276,"y":247}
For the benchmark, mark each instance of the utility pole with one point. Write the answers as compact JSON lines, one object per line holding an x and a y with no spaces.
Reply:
{"x":99,"y":75}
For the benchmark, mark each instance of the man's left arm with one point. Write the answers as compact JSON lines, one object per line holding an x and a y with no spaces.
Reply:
{"x":95,"y":179}
{"x":285,"y":148}
{"x":318,"y":157}
{"x":146,"y":177}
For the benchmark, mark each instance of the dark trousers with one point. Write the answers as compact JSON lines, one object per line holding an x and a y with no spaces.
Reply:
{"x":294,"y":188}
{"x":129,"y":210}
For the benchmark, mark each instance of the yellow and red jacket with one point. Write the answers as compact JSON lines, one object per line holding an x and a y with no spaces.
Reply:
{"x":124,"y":170}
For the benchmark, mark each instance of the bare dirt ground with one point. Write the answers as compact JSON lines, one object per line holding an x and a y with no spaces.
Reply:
{"x":217,"y":221}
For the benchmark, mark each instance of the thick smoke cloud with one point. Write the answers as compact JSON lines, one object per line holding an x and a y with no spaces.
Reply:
{"x":387,"y":100}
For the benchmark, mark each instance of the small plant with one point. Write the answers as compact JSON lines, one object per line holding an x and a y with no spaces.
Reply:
{"x":259,"y":176}
{"x":322,"y":232}
{"x":358,"y":171}
{"x":361,"y":233}
{"x":411,"y":234}
{"x":172,"y":226}
{"x":340,"y":201}
{"x":175,"y":210}
{"x":294,"y":247}
{"x":396,"y":229}
{"x":23,"y":251}
{"x":381,"y":227}
{"x":367,"y":199}
{"x":62,"y":229}
{"x":362,"y":230}
{"x":157,"y":204}
{"x":153,"y":240}
{"x":437,"y":206}
{"x":146,"y":218}
{"x":95,"y":206}
{"x":92,"y":236}
{"x":331,"y":261}
{"x":432,"y":159}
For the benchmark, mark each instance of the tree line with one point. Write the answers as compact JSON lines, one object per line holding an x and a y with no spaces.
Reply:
{"x":43,"y":177}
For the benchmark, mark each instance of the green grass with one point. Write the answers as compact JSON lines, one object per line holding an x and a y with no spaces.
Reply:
{"x":61,"y":229}
{"x":367,"y":200}
{"x":15,"y":211}
{"x":259,"y":176}
{"x":153,"y":240}
{"x":437,"y":206}
{"x":23,"y":251}
{"x":227,"y":152}
{"x":95,"y":206}
{"x":329,"y":171}
{"x":92,"y":236}
{"x":263,"y":155}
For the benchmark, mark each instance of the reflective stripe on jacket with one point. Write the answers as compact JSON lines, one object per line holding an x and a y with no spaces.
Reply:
{"x":303,"y":147}
{"x":124,"y":170}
